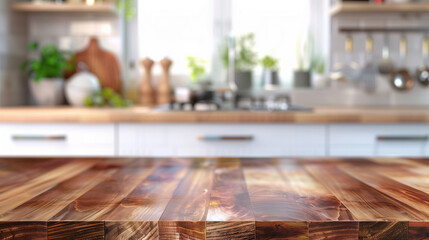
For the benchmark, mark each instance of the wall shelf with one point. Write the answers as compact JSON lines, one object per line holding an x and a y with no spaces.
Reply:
{"x":31,"y":7}
{"x":362,"y":7}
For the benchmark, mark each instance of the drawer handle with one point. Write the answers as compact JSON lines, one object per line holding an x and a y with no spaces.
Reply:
{"x":225,"y":138}
{"x":39,"y":138}
{"x":402,"y":138}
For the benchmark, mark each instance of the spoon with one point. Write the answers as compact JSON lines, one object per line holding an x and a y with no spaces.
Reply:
{"x":402,"y":80}
{"x":423,"y":71}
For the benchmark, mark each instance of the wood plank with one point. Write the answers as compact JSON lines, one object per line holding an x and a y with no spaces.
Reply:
{"x":190,"y":201}
{"x":229,"y":199}
{"x":383,"y":230}
{"x":23,"y":230}
{"x":149,"y":199}
{"x":182,"y":230}
{"x":333,"y":230}
{"x":363,"y":201}
{"x":281,"y":230}
{"x":24,"y":192}
{"x":418,"y":230}
{"x":268,"y":192}
{"x":76,"y":230}
{"x":186,"y":211}
{"x":313,"y":199}
{"x":131,"y":230}
{"x":44,"y":206}
{"x":25,"y":170}
{"x":403,"y":193}
{"x":230,"y":230}
{"x":101,"y":200}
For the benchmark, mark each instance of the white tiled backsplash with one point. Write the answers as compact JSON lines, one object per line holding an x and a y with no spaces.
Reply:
{"x":72,"y":31}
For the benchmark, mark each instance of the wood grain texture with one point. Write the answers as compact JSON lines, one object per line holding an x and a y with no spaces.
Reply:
{"x":383,"y":230}
{"x":131,"y":230}
{"x":363,"y":201}
{"x":147,"y":115}
{"x":229,"y":200}
{"x":418,"y":230}
{"x":224,"y":198}
{"x":101,"y":200}
{"x":182,"y":230}
{"x":230,"y":230}
{"x":330,"y":230}
{"x":76,"y":230}
{"x":148,"y":200}
{"x":281,"y":230}
{"x":23,"y":230}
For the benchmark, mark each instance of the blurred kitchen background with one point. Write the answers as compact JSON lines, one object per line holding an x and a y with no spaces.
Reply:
{"x":315,"y":52}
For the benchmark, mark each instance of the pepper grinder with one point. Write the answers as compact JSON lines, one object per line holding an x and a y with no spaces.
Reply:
{"x":164,"y":87}
{"x":147,"y":92}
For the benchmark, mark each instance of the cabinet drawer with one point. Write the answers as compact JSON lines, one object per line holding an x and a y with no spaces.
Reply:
{"x":57,"y":140}
{"x":221,"y":140}
{"x":360,"y":140}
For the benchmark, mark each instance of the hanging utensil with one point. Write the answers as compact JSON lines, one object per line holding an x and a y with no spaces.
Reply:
{"x":386,"y":65}
{"x":402,"y":79}
{"x":423,"y":71}
{"x":369,"y":73}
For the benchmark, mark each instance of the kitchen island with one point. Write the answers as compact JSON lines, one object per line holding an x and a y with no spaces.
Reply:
{"x":214,"y":198}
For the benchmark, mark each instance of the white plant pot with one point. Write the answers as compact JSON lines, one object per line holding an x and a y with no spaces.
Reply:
{"x":48,"y":91}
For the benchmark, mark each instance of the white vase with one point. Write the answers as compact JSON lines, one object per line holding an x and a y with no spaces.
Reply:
{"x":48,"y":91}
{"x":79,"y":86}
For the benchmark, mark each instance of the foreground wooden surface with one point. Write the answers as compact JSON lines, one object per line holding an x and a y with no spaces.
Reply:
{"x":214,"y":199}
{"x":146,"y":115}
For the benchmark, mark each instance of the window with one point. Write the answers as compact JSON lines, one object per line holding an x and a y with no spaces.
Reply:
{"x":178,"y":29}
{"x":175,"y":29}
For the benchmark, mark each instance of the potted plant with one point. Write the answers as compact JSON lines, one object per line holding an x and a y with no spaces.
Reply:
{"x":47,"y":74}
{"x":305,"y":58}
{"x":245,"y":60}
{"x":270,"y":76}
{"x":197,"y":66}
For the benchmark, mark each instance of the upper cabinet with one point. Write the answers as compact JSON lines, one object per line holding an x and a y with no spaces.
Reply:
{"x":63,"y":7}
{"x":366,"y":7}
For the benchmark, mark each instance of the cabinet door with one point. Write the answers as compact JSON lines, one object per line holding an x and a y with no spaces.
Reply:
{"x":384,"y":140}
{"x":222,"y":140}
{"x":57,"y":140}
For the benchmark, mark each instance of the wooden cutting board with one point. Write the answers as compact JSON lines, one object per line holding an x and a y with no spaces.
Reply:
{"x":102,"y":63}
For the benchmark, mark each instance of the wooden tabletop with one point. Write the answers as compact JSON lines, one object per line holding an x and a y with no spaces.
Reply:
{"x":214,"y":198}
{"x":147,"y":115}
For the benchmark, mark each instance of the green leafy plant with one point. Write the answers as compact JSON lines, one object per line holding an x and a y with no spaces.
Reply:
{"x":245,"y":57}
{"x":270,"y":63}
{"x":106,"y":97}
{"x":197,"y":67}
{"x":51,"y":64}
{"x":128,"y":6}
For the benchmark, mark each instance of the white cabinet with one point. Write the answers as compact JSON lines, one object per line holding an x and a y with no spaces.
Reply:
{"x":56,"y":139}
{"x":221,"y":140}
{"x":386,"y":140}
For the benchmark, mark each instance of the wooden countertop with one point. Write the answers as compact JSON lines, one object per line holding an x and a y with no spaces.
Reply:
{"x":146,"y":115}
{"x":214,"y":198}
